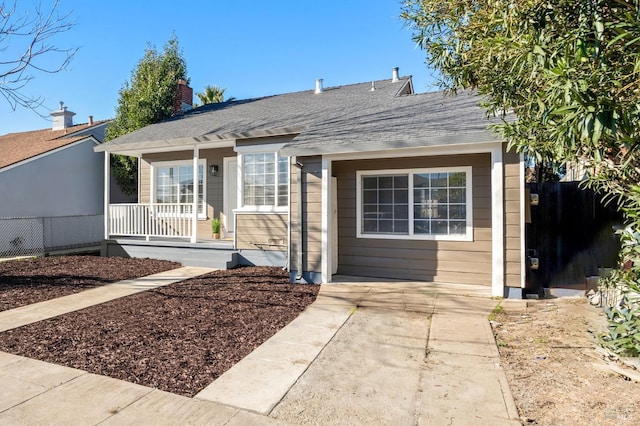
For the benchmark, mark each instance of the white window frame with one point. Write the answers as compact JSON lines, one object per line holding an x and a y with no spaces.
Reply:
{"x":467,"y":236}
{"x":261,"y":149}
{"x":176,"y":163}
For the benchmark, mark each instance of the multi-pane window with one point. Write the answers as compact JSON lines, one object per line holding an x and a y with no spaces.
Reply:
{"x":416,"y":203}
{"x":440,"y":203}
{"x":265,"y":179}
{"x":385,"y":204}
{"x":174,"y":184}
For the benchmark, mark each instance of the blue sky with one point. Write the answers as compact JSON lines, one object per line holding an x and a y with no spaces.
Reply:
{"x":251,"y":48}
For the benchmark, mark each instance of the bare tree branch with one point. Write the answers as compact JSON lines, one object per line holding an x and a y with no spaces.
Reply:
{"x":26,"y":47}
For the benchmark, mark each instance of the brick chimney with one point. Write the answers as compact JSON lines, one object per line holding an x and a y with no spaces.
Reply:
{"x":184,"y":98}
{"x":62,"y":118}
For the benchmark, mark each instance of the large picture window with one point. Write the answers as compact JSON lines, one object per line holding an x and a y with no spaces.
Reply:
{"x":265,"y":180}
{"x":174,"y":184}
{"x":417,"y":204}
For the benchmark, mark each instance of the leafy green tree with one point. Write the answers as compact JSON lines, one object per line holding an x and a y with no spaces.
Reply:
{"x":213,"y":95}
{"x":147,"y":99}
{"x":568,"y":70}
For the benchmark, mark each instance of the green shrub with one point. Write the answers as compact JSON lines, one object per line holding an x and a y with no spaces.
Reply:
{"x":623,"y":337}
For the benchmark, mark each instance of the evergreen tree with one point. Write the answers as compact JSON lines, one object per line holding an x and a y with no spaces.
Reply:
{"x":147,"y":99}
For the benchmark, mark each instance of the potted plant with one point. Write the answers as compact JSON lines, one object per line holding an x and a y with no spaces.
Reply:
{"x":215,"y":227}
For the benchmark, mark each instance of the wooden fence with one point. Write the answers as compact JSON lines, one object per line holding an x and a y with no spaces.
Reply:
{"x":572,"y":234}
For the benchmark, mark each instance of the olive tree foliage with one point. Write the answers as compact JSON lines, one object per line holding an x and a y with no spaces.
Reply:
{"x":26,"y":47}
{"x":147,"y":99}
{"x":568,"y":70}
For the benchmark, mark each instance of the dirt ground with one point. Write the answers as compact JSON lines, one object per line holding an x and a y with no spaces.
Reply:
{"x":556,"y":370}
{"x":27,"y":281}
{"x":181,"y":337}
{"x":177,"y":338}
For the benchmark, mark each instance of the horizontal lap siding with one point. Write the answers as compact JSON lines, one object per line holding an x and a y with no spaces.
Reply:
{"x":214,"y":184}
{"x":444,"y":261}
{"x":512,"y":222}
{"x":261,"y":231}
{"x":311,"y":214}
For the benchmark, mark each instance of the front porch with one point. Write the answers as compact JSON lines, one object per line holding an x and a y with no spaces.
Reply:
{"x":205,"y":252}
{"x":166,"y":231}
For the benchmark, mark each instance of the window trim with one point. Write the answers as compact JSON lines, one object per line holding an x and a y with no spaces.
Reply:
{"x":261,"y":149}
{"x":467,"y":236}
{"x":173,"y":163}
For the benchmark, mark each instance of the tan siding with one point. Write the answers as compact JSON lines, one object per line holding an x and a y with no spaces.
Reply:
{"x":447,"y":261}
{"x":512,"y":222}
{"x":214,"y":184}
{"x":261,"y":231}
{"x":145,"y":182}
{"x":311,"y":214}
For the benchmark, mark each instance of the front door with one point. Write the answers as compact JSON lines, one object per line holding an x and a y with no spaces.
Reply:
{"x":230,"y":196}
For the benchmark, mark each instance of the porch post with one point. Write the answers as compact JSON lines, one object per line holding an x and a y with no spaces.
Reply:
{"x":326,"y":221}
{"x":497,"y":222}
{"x":194,"y":216}
{"x":107,"y":192}
{"x":523,"y":236}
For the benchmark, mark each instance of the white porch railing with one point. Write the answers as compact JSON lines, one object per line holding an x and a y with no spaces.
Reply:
{"x":151,"y":220}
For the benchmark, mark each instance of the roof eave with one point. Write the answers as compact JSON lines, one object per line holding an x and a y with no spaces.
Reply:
{"x":347,"y":147}
{"x":210,"y":140}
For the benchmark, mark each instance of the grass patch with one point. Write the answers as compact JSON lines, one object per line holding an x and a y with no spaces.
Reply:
{"x":496,"y":311}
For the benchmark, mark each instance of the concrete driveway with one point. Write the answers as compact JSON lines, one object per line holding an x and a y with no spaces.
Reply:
{"x":392,"y":352}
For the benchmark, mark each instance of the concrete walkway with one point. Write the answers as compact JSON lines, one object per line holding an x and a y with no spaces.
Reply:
{"x":411,"y":354}
{"x":363,"y":353}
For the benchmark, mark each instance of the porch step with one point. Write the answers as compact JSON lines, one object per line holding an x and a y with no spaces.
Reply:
{"x":220,"y":255}
{"x":219,"y":259}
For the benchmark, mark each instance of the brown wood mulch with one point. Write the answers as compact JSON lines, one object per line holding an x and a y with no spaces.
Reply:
{"x":177,"y":338}
{"x":27,"y":281}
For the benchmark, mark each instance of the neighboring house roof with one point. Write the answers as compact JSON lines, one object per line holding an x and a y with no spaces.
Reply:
{"x":347,"y":118}
{"x":17,"y":147}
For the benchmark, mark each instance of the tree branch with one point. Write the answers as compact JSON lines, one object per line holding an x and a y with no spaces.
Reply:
{"x":26,"y":47}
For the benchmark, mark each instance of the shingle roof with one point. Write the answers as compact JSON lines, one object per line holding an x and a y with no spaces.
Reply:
{"x":17,"y":147}
{"x":340,"y":119}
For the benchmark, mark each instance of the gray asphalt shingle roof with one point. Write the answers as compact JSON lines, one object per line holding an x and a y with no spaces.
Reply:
{"x":349,"y":118}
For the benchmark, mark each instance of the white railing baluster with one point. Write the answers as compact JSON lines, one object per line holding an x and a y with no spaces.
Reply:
{"x":150,"y":220}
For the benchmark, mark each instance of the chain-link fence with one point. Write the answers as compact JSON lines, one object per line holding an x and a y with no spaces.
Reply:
{"x":34,"y":236}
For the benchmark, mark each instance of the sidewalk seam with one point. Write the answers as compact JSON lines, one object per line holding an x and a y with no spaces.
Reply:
{"x":352,"y":311}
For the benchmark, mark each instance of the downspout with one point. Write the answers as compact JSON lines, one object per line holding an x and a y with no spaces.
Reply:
{"x":299,"y":250}
{"x":288,"y":265}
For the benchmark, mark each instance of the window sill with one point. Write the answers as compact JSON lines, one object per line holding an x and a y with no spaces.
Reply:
{"x":463,"y":238}
{"x":261,"y":210}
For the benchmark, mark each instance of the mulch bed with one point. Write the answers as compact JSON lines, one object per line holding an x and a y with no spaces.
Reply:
{"x":23,"y":282}
{"x":177,"y":338}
